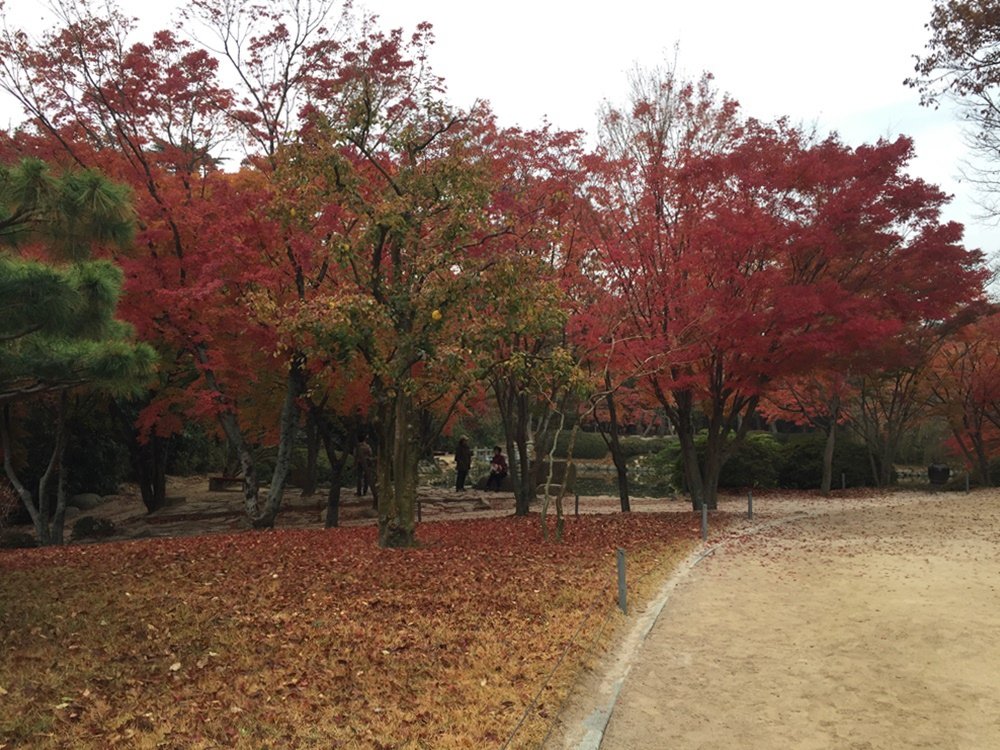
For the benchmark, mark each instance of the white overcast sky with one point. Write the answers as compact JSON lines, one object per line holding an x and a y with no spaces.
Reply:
{"x":838,"y":65}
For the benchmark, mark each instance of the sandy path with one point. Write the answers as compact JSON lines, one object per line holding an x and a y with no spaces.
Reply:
{"x":870,"y":626}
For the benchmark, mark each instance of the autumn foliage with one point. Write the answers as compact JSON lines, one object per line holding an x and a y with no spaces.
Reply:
{"x":314,"y":639}
{"x":327,"y":245}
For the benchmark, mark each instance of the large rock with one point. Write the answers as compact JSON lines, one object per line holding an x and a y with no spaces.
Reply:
{"x":85,"y":501}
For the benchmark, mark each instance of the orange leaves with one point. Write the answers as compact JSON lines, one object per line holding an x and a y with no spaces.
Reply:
{"x":307,"y":638}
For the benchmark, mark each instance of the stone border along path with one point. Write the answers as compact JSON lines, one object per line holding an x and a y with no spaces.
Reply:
{"x":854,"y":623}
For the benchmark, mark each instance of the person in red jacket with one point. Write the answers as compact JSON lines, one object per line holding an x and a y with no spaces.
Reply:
{"x":498,"y":469}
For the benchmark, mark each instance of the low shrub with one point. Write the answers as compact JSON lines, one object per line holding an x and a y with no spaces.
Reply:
{"x":755,"y":463}
{"x":17,"y":539}
{"x":193,"y":451}
{"x":634,"y":445}
{"x":802,"y":463}
{"x":588,"y":445}
{"x":90,"y":527}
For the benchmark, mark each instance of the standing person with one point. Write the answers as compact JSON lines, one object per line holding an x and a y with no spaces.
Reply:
{"x":363,"y":466}
{"x":463,"y":462}
{"x":498,"y":469}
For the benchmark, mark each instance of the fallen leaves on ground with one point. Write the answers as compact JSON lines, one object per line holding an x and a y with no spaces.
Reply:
{"x":316,"y":639}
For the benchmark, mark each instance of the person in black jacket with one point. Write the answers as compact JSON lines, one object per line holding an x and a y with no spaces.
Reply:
{"x":463,"y":462}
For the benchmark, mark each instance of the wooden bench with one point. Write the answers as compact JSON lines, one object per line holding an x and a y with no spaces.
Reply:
{"x":222,"y":484}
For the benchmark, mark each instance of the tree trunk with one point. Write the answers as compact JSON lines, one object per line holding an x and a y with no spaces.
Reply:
{"x":312,"y":457}
{"x":149,"y":459}
{"x":615,"y":445}
{"x":333,"y":496}
{"x":831,"y":438}
{"x":48,"y":524}
{"x":982,"y":462}
{"x":683,"y":420}
{"x":513,"y":407}
{"x":337,"y":464}
{"x":327,"y":434}
{"x":714,"y":459}
{"x":231,"y":429}
{"x":396,"y":472}
{"x":294,"y":387}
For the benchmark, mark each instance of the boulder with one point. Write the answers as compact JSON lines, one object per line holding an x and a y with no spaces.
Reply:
{"x":85,"y":501}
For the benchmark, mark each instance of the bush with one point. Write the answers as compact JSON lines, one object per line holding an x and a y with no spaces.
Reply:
{"x":90,"y":527}
{"x":96,"y":459}
{"x":16,"y":539}
{"x":193,"y":451}
{"x":755,"y":463}
{"x":588,"y":445}
{"x":10,"y":503}
{"x":633,"y":445}
{"x":995,"y":472}
{"x":802,"y":463}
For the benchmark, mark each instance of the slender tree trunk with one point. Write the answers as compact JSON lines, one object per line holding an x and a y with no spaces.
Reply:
{"x":231,"y":429}
{"x":48,"y":525}
{"x":333,"y":496}
{"x":615,"y":445}
{"x":712,"y":468}
{"x":831,"y":439}
{"x":683,"y":419}
{"x":982,"y":462}
{"x":312,"y":457}
{"x":337,"y":463}
{"x":513,"y":408}
{"x":59,"y":517}
{"x":148,"y":459}
{"x":294,"y":387}
{"x":337,"y":460}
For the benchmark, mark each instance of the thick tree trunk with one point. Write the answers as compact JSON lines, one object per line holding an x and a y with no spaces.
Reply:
{"x":396,"y":472}
{"x":712,"y":469}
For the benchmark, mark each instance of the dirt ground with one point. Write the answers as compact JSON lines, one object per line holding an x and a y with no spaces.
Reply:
{"x":862,"y":624}
{"x":193,"y":509}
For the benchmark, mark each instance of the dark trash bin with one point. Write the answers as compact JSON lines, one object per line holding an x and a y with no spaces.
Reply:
{"x":938,"y":473}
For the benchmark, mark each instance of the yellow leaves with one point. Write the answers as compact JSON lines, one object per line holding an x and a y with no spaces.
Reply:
{"x":436,"y":315}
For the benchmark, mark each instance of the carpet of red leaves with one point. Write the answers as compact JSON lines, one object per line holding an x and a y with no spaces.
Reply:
{"x":316,"y":639}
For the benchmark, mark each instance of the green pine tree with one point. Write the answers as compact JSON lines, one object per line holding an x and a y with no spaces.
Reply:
{"x":57,"y":324}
